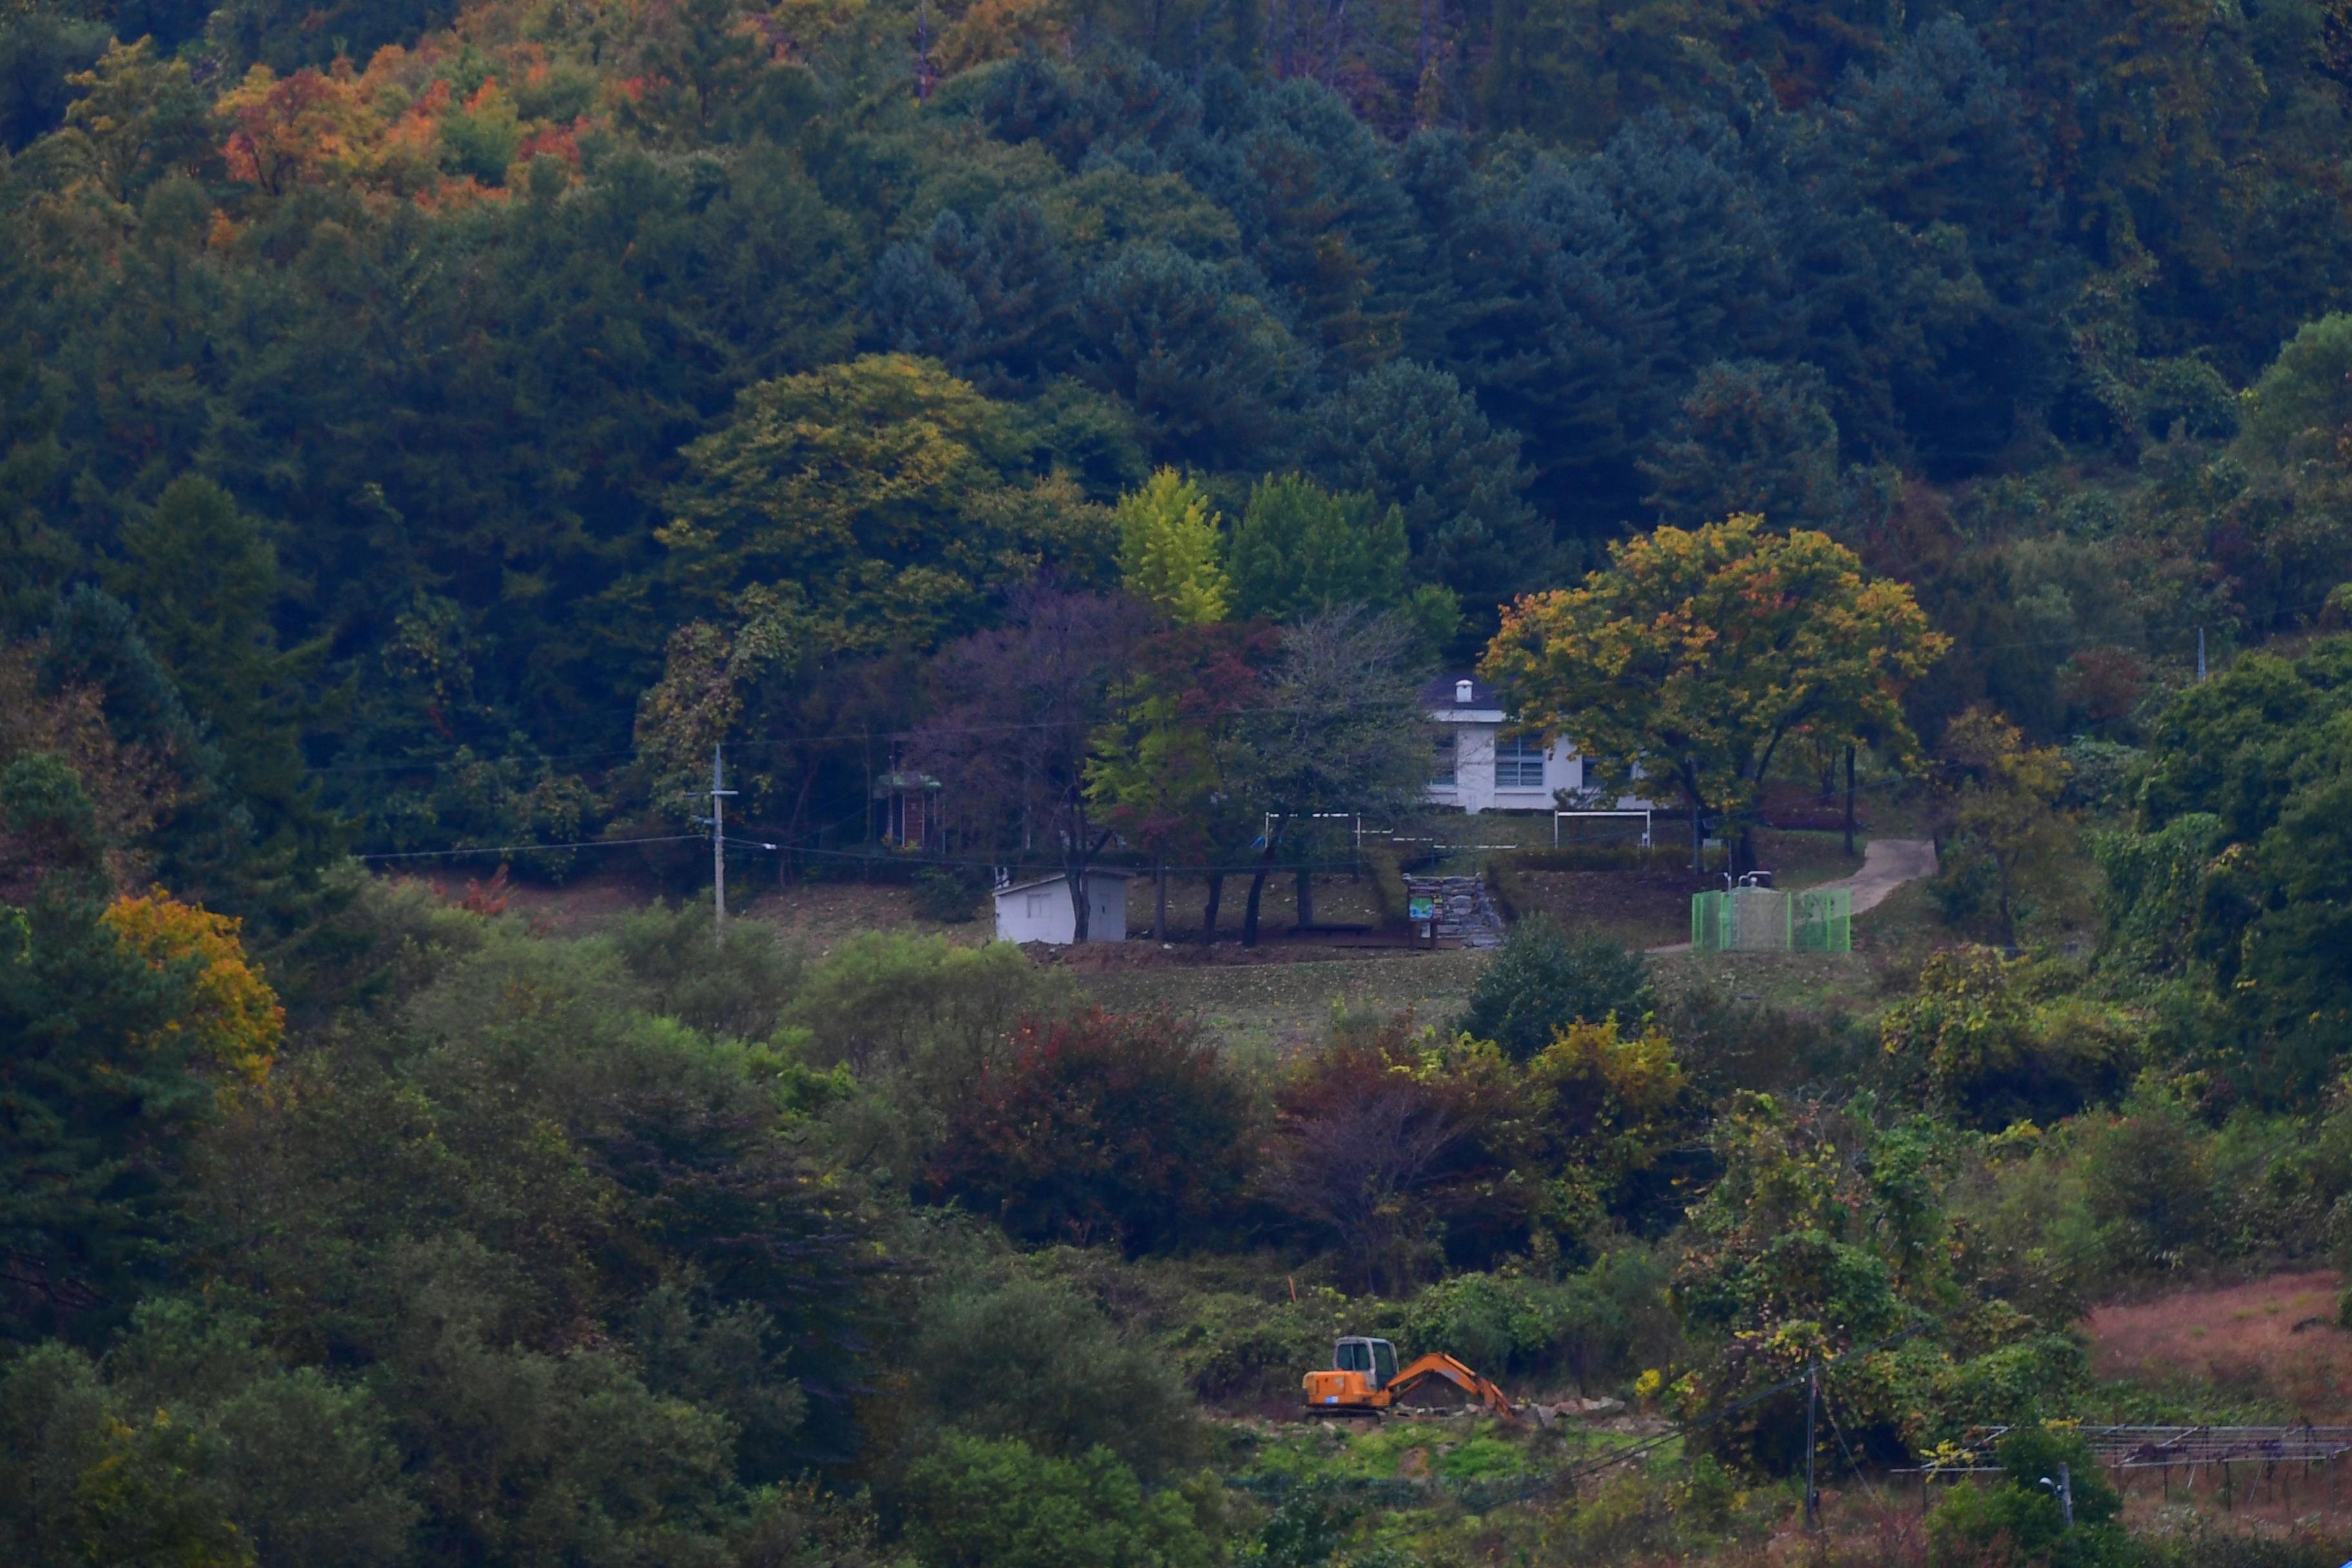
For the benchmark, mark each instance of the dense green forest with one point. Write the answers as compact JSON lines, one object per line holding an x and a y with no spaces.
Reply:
{"x":429,"y":427}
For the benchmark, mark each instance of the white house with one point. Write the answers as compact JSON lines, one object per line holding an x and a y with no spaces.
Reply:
{"x":1038,"y":909}
{"x":1480,"y":769}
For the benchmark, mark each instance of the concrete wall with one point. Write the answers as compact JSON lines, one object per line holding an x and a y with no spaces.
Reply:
{"x":1473,"y":769}
{"x":1040,"y":911}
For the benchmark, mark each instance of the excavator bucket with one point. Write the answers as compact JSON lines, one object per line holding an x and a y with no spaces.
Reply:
{"x":1441,"y":1369}
{"x":1364,"y":1381}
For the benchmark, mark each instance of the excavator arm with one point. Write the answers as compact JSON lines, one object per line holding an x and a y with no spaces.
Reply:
{"x":1442,"y":1366}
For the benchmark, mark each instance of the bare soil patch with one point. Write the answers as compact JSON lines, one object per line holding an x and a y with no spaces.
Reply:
{"x":2273,"y":1337}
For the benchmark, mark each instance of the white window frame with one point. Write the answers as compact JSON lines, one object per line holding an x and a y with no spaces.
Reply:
{"x":1512,"y":753}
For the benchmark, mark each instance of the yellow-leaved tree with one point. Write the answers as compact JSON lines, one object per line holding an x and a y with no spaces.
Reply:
{"x":1697,"y":652}
{"x":1168,"y":550}
{"x":232,"y":1019}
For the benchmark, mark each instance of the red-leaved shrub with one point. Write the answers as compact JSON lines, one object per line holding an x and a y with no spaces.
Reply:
{"x":1103,"y":1126}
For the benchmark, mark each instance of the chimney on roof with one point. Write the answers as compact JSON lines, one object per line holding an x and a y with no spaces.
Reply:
{"x":1462,"y":691}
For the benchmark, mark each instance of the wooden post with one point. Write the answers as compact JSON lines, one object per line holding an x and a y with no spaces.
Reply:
{"x":718,"y":794}
{"x":1849,"y":797}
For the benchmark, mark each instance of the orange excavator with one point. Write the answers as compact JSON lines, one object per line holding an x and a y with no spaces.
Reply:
{"x":1364,"y":1381}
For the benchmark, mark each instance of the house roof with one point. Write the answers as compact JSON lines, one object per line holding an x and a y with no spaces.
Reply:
{"x":1440,"y":693}
{"x":1028,"y":883}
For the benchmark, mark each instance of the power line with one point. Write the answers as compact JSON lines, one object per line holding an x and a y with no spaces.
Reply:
{"x":531,"y":848}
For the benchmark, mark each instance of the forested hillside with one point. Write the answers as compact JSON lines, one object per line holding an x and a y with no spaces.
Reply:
{"x":461,"y":340}
{"x":432,"y":428}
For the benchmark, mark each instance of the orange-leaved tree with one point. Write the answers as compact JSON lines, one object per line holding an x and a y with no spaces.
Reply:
{"x":1697,"y":652}
{"x":231,"y":1018}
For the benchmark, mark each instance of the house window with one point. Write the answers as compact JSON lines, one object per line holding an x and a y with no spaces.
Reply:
{"x":1519,"y":762}
{"x":1036,"y":902}
{"x":1440,"y":765}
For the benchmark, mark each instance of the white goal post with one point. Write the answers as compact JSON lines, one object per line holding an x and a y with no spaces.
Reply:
{"x":1644,"y":815}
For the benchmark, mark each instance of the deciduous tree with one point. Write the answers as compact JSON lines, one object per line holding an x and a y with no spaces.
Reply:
{"x":1168,"y":767}
{"x":1014,"y":726}
{"x":1696,"y":652}
{"x":2000,"y":815}
{"x":1341,"y":728}
{"x":1169,"y":546}
{"x":896,"y":496}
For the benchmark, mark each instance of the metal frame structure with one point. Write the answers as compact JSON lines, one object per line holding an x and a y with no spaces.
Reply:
{"x":1646,"y":814}
{"x":2171,"y":1447}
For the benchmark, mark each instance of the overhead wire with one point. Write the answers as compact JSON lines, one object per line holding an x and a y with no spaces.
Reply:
{"x":537,"y":849}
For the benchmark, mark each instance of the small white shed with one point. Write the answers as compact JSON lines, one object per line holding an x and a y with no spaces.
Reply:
{"x":1038,"y":909}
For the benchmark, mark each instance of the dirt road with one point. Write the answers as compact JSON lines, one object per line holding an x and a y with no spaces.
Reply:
{"x":1886,"y":865}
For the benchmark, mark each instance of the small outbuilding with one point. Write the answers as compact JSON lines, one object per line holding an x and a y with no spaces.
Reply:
{"x":1039,"y":909}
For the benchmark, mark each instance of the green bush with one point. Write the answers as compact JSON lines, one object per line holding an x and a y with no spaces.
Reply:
{"x":2018,"y":1519}
{"x":977,"y":1503}
{"x":2024,"y":1381}
{"x":1495,"y":1323}
{"x":1231,"y":1346}
{"x":946,"y":894}
{"x":2146,"y":1181}
{"x":1033,"y":1361}
{"x":1541,"y":980}
{"x":736,"y":988}
{"x":1600,"y":1326}
{"x":887,"y":1000}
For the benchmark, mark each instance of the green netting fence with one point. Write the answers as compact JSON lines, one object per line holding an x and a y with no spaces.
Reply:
{"x":1768,"y":920}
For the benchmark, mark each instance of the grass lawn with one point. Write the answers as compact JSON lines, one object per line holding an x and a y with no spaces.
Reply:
{"x":1808,"y":983}
{"x":1340,"y":900}
{"x":1271,"y":1008}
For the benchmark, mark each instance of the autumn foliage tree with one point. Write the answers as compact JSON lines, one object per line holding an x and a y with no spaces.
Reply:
{"x":1099,"y":1128}
{"x":1169,"y":549}
{"x":119,"y":1021}
{"x":1167,"y":767}
{"x":1015,"y":715}
{"x":1697,"y":653}
{"x":230,"y":1017}
{"x":1377,"y":1136}
{"x":2000,"y":817}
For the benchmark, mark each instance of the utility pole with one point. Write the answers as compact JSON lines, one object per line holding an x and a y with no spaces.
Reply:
{"x":1812,"y":1405}
{"x":2063,"y":1489}
{"x":718,"y":794}
{"x":1849,"y":797}
{"x":2201,"y":656}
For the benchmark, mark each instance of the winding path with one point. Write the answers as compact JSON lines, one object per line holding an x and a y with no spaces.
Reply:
{"x":1886,"y":865}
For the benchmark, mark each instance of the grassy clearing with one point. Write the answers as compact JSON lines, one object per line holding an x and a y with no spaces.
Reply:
{"x":1806,"y":983}
{"x":1340,"y":900}
{"x":2273,"y":1341}
{"x":1277,"y":1006}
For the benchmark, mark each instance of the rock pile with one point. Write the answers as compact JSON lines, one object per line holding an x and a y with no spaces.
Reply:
{"x":1466,"y":909}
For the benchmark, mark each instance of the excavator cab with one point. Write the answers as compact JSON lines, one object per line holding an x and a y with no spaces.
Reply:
{"x":1361,"y":1370}
{"x":1376,"y":1359}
